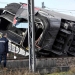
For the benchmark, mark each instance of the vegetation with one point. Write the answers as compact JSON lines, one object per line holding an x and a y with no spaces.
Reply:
{"x":26,"y":72}
{"x":16,"y":72}
{"x":63,"y":73}
{"x":70,"y":72}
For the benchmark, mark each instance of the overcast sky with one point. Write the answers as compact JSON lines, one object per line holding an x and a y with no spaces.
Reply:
{"x":63,"y":6}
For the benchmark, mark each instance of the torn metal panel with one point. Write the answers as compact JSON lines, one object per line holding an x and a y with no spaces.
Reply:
{"x":8,"y":17}
{"x":1,"y":10}
{"x":50,"y":34}
{"x":22,"y":12}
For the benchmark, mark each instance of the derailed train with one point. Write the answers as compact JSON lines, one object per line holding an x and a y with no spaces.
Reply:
{"x":58,"y":30}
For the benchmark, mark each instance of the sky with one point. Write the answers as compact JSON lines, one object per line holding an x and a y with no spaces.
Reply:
{"x":62,"y":6}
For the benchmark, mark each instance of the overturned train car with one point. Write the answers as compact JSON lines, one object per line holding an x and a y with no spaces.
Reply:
{"x":57,"y":30}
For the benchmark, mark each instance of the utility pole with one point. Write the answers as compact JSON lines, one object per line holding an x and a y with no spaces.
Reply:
{"x":31,"y":35}
{"x":43,"y":5}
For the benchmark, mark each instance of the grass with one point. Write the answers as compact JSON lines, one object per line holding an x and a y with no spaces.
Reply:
{"x":23,"y":72}
{"x":17,"y":72}
{"x":26,"y":72}
{"x":62,"y":73}
{"x":70,"y":72}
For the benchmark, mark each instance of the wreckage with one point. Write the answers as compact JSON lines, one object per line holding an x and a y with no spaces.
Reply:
{"x":57,"y":30}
